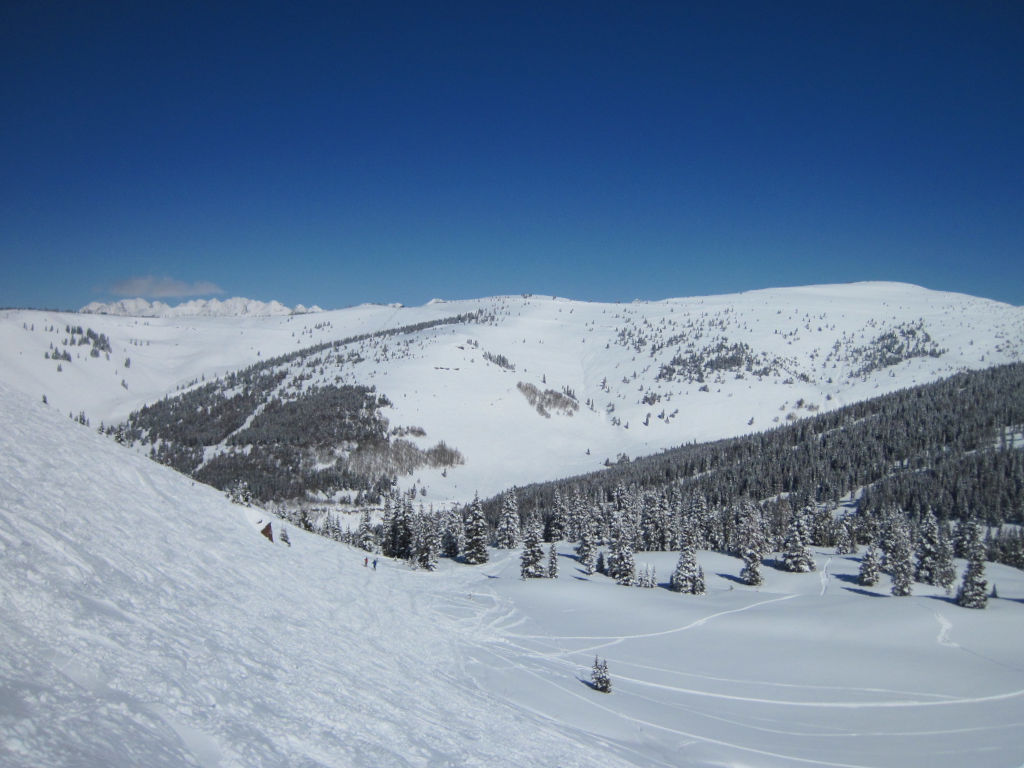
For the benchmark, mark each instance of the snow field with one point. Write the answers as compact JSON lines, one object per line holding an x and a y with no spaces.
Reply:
{"x":808,"y":669}
{"x":146,"y":622}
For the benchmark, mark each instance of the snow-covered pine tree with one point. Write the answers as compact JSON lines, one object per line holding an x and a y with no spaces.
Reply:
{"x":927,"y":564}
{"x":898,"y":558}
{"x":452,"y":536}
{"x":845,"y":542}
{"x":365,"y":538}
{"x":752,"y":543}
{"x":945,"y":569}
{"x":560,"y":519}
{"x":972,"y":592}
{"x":531,"y":562}
{"x":870,"y":567}
{"x":599,"y":676}
{"x":586,"y":549}
{"x":621,"y":565}
{"x":796,"y":557}
{"x":552,"y":561}
{"x":506,"y":535}
{"x":476,"y":534}
{"x":428,"y":540}
{"x":688,"y":576}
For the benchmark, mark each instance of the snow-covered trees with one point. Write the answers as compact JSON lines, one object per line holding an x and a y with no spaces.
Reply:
{"x":688,"y":576}
{"x":476,"y":534}
{"x":971,"y":593}
{"x":365,"y":538}
{"x":870,"y":567}
{"x":452,"y":536}
{"x":552,"y":561}
{"x":621,"y":564}
{"x":898,"y":558}
{"x":599,"y":676}
{"x":796,"y":557}
{"x":752,"y":543}
{"x":926,"y":569}
{"x":531,"y":562}
{"x":586,"y":550}
{"x":507,"y":533}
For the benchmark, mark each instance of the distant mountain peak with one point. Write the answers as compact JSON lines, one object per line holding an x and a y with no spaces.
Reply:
{"x":235,"y":307}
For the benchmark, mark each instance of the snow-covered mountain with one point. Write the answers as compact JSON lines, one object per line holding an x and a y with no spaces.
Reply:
{"x":145,"y":621}
{"x":235,"y":307}
{"x":529,"y":388}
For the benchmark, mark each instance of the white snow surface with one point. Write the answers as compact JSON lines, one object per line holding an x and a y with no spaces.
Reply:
{"x":145,"y":621}
{"x":608,"y":355}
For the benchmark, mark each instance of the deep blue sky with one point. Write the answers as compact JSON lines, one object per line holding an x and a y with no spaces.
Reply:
{"x":377,"y":151}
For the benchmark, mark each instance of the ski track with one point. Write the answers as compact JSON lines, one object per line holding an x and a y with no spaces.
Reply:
{"x":619,"y":638}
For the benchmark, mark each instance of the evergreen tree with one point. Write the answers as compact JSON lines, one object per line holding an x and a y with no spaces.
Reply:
{"x":797,"y":558}
{"x":552,"y":561}
{"x":845,"y":542}
{"x":428,"y":540}
{"x":599,"y":675}
{"x":752,"y":543}
{"x":531,"y":562}
{"x":928,"y":550}
{"x":688,"y":576}
{"x":365,"y":538}
{"x":621,"y":564}
{"x":870,"y":567}
{"x":945,"y":569}
{"x":972,"y":588}
{"x":586,"y":549}
{"x":898,"y":560}
{"x":476,"y":534}
{"x":507,"y":533}
{"x":452,"y":536}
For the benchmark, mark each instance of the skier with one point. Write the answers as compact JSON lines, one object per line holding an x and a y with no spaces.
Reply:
{"x":366,"y":561}
{"x":375,"y":563}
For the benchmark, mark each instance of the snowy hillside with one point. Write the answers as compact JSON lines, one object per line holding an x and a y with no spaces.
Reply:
{"x":539,"y":387}
{"x":146,"y":622}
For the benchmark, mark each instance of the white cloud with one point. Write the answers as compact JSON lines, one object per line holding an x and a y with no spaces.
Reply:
{"x":163,"y":288}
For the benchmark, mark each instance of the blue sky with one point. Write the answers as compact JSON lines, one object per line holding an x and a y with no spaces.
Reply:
{"x":346,"y":152}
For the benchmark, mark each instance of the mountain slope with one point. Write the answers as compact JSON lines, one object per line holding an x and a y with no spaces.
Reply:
{"x":146,"y":622}
{"x":609,"y":379}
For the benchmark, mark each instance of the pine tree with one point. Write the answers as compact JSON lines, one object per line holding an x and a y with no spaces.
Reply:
{"x":751,"y":543}
{"x":552,"y":561}
{"x":599,"y":675}
{"x":797,"y":558}
{"x":428,"y":540}
{"x":507,"y":533}
{"x":476,"y":534}
{"x":365,"y":539}
{"x":927,"y":566}
{"x":453,"y":538}
{"x":688,"y":576}
{"x":620,"y":562}
{"x":531,"y":561}
{"x":945,"y":569}
{"x":898,"y":560}
{"x":869,"y":567}
{"x":845,"y":543}
{"x":972,"y":592}
{"x":586,"y":549}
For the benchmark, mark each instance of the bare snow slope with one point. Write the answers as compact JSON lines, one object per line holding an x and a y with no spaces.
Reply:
{"x":645,"y":376}
{"x":144,"y":621}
